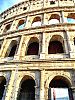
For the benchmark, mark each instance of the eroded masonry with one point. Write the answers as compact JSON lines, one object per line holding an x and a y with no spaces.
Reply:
{"x":37,"y":51}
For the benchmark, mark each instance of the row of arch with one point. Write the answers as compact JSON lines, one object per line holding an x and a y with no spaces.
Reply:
{"x":37,"y":21}
{"x":56,"y":45}
{"x":27,"y":88}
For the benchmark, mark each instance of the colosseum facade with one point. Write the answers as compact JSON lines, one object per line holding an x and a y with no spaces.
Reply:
{"x":37,"y":51}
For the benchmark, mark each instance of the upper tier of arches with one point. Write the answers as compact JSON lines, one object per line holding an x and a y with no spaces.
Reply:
{"x":31,"y":5}
{"x":54,"y":18}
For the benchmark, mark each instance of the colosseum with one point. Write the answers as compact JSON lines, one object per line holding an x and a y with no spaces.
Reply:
{"x":37,"y":51}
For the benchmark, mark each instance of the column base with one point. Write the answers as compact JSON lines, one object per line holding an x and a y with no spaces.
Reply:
{"x":42,"y":56}
{"x":72,"y":54}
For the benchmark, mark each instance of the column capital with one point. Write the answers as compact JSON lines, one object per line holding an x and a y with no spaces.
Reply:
{"x":73,"y":89}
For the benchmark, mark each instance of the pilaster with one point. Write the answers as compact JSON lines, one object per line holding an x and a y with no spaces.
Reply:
{"x":42,"y":85}
{"x":73,"y":92}
{"x":4,"y":47}
{"x":14,"y":25}
{"x":42,"y":54}
{"x":62,"y":17}
{"x":17,"y":56}
{"x":10,"y":87}
{"x":2,"y":28}
{"x":66,"y":43}
{"x":37,"y":86}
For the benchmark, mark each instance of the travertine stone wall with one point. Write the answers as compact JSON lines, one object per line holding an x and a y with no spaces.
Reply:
{"x":42,"y":68}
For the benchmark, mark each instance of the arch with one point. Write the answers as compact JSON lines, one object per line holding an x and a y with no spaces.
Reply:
{"x":71,"y":18}
{"x":27,"y":89}
{"x":11,"y":49}
{"x":21,"y":24}
{"x":33,"y":46}
{"x":36,"y":21}
{"x":7,"y":27}
{"x":51,"y":77}
{"x":2,"y":86}
{"x":59,"y":85}
{"x":54,"y":19}
{"x":61,"y":82}
{"x":56,"y":45}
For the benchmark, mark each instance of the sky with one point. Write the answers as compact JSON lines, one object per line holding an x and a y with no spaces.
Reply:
{"x":5,"y":4}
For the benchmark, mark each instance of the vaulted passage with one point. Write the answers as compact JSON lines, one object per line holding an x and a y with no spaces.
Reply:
{"x":36,"y":21}
{"x":58,"y":86}
{"x":33,"y":48}
{"x":27,"y":91}
{"x":11,"y":49}
{"x":2,"y":86}
{"x":21,"y":24}
{"x":12,"y":52}
{"x":55,"y":47}
{"x":7,"y":28}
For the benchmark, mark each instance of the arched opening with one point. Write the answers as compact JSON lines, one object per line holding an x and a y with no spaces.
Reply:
{"x":71,"y":18}
{"x":2,"y":86}
{"x":21,"y":24}
{"x":12,"y":49}
{"x":12,"y":52}
{"x":58,"y":86}
{"x":54,"y":19}
{"x":56,"y":45}
{"x":33,"y":47}
{"x":36,"y":21}
{"x":7,"y":28}
{"x":27,"y":91}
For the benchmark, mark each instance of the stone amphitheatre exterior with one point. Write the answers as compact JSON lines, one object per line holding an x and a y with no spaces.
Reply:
{"x":37,"y":50}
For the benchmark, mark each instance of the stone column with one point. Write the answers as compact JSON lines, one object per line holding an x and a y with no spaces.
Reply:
{"x":66,"y":43}
{"x":17,"y":56}
{"x":66,"y":46}
{"x":42,"y":85}
{"x":2,"y":28}
{"x":73,"y":92}
{"x":37,"y":87}
{"x":45,"y":22}
{"x":14,"y":25}
{"x":70,"y":45}
{"x":4,"y":47}
{"x":62,"y":17}
{"x":42,"y":54}
{"x":28,"y":22}
{"x":10,"y":87}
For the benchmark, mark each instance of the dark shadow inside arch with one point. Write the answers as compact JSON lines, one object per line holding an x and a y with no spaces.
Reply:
{"x":7,"y":27}
{"x":60,"y":83}
{"x":33,"y":48}
{"x":27,"y":91}
{"x":55,"y":47}
{"x":12,"y":52}
{"x":36,"y":19}
{"x":11,"y":49}
{"x":21,"y":24}
{"x":2,"y":86}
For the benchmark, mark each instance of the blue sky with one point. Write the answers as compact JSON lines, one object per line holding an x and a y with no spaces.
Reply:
{"x":4,"y":4}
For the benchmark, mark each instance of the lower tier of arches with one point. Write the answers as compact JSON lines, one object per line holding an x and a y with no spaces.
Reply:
{"x":39,"y":85}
